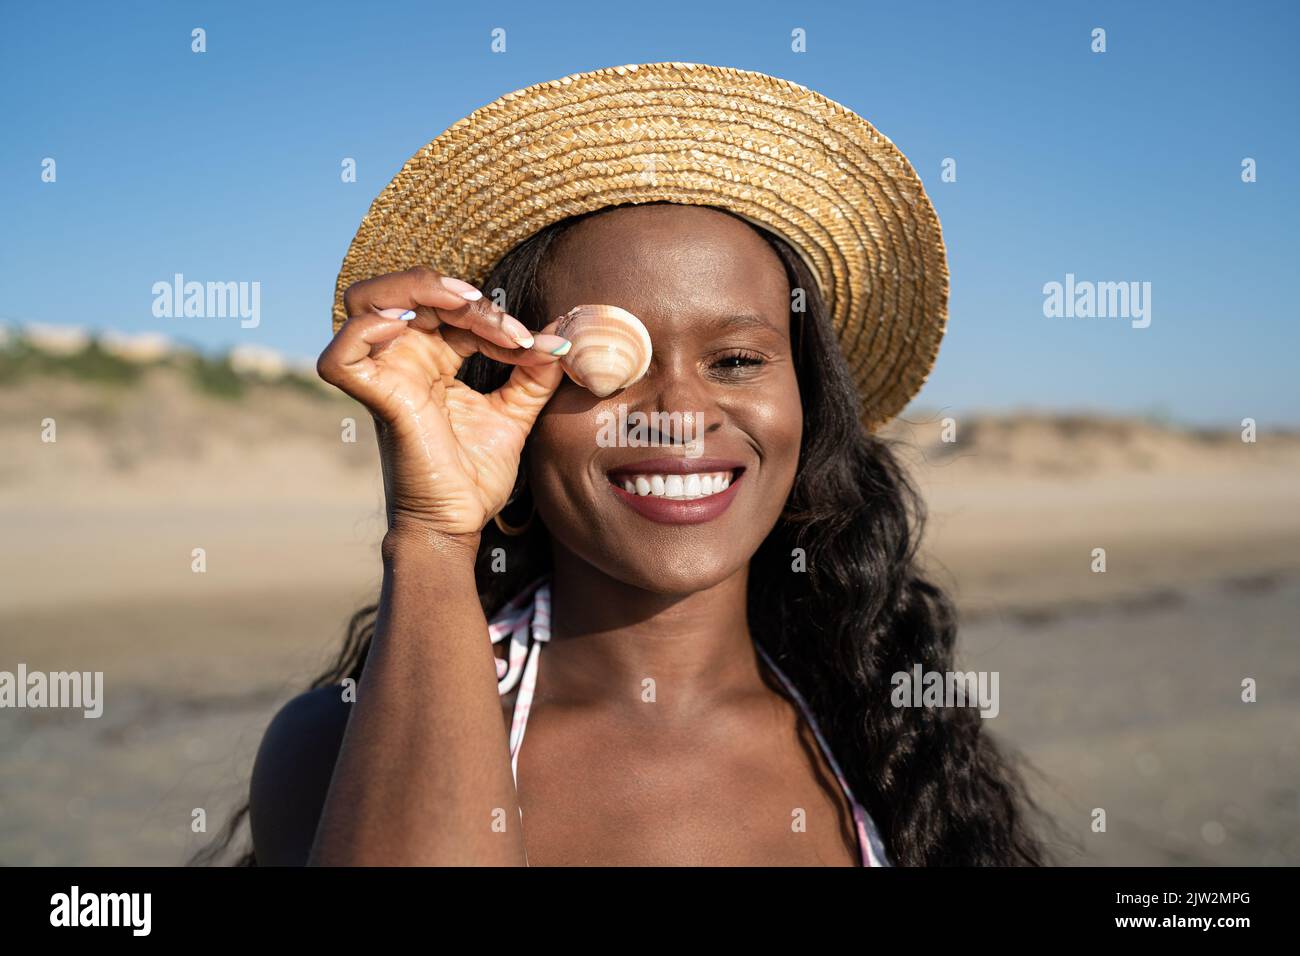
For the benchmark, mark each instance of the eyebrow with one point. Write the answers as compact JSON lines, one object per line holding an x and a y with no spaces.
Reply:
{"x":741,"y":320}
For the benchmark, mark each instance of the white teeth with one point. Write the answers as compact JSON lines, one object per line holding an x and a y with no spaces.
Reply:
{"x":680,"y":487}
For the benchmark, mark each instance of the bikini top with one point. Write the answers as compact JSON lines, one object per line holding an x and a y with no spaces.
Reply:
{"x":526,"y":621}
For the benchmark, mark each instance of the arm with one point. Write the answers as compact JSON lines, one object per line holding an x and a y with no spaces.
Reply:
{"x":424,"y":770}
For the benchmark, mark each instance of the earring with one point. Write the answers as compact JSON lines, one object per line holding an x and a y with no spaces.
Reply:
{"x":515,"y":531}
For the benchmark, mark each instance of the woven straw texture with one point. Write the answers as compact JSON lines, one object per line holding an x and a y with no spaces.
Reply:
{"x":767,"y":149}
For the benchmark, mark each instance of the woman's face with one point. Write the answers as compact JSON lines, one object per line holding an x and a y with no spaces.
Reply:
{"x":715,"y":299}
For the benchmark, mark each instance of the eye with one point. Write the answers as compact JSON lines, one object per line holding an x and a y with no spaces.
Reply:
{"x":737,"y":361}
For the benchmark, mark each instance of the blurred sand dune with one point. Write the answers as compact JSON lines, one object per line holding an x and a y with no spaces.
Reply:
{"x":1123,"y":688}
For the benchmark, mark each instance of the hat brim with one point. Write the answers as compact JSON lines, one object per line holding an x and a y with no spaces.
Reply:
{"x":769,"y":150}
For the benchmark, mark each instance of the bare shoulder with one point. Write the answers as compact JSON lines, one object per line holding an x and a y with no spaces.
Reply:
{"x":291,"y":775}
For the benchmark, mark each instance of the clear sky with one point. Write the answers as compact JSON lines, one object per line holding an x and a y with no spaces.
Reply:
{"x":1116,"y":166}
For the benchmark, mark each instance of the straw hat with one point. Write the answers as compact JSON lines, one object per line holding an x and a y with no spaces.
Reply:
{"x":771,"y":151}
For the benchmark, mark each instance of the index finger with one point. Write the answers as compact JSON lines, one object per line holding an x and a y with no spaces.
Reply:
{"x":436,"y":300}
{"x":419,"y":286}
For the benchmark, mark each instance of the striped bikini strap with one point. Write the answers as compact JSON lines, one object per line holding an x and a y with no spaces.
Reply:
{"x":870,"y":845}
{"x":526,"y":621}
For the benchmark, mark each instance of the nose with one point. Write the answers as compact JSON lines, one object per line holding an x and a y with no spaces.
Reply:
{"x":675,"y":397}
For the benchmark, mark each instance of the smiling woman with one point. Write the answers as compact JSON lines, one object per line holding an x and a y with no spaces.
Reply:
{"x":721,"y":628}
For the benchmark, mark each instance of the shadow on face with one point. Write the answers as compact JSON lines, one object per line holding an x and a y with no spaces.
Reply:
{"x":672,"y":483}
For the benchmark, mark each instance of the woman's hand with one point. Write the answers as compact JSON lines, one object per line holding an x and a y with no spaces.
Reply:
{"x":450,"y":454}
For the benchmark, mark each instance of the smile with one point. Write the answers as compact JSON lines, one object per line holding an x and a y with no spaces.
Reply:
{"x":676,"y":490}
{"x":678,"y":487}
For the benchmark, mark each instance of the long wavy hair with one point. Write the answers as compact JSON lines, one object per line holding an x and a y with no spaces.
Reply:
{"x":940,"y":789}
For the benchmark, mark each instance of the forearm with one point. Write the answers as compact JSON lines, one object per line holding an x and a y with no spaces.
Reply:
{"x":424,"y":769}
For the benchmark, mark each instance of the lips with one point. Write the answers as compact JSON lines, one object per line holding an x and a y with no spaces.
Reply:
{"x":677,"y":490}
{"x":676,"y":466}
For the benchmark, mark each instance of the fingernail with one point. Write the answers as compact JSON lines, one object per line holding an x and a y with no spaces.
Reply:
{"x":406,"y":315}
{"x":517,"y":331}
{"x":553,"y":344}
{"x":461,"y":288}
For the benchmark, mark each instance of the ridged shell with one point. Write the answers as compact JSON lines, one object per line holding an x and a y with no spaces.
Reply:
{"x":611,"y":347}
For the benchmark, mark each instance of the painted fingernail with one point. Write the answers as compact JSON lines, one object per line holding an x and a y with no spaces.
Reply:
{"x":517,"y":331}
{"x":406,"y":315}
{"x":553,"y":344}
{"x":461,"y":288}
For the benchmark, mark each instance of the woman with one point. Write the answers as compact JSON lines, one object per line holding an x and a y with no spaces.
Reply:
{"x":716,"y":681}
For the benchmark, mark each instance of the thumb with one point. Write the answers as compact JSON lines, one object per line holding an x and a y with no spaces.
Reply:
{"x":529,"y":388}
{"x":527,"y":391}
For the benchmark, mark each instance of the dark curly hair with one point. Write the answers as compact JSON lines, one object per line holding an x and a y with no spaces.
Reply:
{"x":940,"y":789}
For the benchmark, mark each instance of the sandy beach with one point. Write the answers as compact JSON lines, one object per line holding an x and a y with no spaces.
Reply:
{"x":1122,"y":689}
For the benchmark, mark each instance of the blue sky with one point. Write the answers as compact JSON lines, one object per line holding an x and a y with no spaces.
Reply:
{"x":1121,"y":166}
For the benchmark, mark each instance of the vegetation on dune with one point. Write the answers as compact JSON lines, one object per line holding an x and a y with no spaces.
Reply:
{"x":215,"y":375}
{"x":20,"y":360}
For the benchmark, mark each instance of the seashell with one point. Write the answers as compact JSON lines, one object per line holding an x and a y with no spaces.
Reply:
{"x":611,"y":347}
